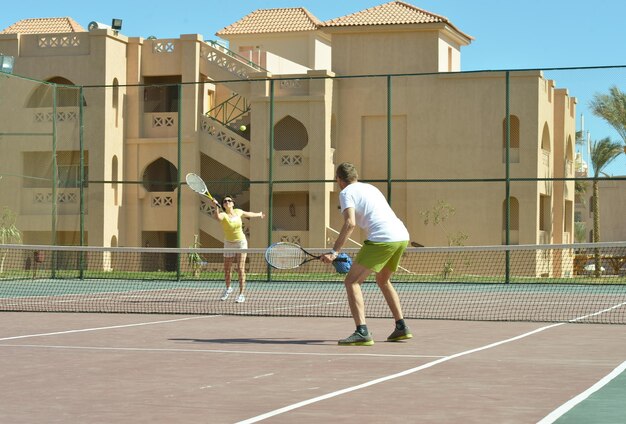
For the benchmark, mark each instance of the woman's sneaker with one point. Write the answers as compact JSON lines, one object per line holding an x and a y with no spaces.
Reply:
{"x":398,"y":335}
{"x":357,"y":339}
{"x":240,"y":299}
{"x":226,"y":293}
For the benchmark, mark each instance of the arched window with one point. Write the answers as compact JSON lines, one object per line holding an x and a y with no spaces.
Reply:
{"x":114,"y":178}
{"x":514,"y":132}
{"x":290,"y":134}
{"x":116,"y":100}
{"x":46,"y":95}
{"x":545,"y":138}
{"x":160,"y":175}
{"x":569,"y":149}
{"x":514,"y":137}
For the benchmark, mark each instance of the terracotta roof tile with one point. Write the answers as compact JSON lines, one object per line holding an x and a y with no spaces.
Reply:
{"x":44,"y":26}
{"x":273,"y":20}
{"x":392,"y":13}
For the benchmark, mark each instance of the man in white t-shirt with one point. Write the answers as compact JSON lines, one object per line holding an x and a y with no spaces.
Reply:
{"x":387,"y":238}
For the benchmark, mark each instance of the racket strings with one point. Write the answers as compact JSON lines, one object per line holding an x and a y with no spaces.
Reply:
{"x":284,"y":256}
{"x":196,"y":184}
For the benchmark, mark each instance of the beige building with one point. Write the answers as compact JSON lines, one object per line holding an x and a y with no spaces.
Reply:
{"x":612,"y":206}
{"x":327,"y":89}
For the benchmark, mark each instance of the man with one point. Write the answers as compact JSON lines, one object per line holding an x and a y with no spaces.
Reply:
{"x":387,"y":238}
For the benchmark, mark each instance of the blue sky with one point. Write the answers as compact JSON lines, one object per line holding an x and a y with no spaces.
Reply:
{"x":508,"y":35}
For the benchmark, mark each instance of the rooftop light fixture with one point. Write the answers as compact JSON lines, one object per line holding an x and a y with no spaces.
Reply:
{"x":116,"y":24}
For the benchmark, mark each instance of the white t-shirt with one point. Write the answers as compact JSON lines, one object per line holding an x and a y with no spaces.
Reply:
{"x":373,"y":213}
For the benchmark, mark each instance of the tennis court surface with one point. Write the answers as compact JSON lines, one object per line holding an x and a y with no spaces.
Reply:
{"x":121,"y":368}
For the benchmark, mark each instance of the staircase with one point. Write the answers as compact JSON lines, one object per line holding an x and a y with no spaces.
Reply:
{"x":220,"y":135}
{"x":233,"y":113}
{"x":225,"y":65}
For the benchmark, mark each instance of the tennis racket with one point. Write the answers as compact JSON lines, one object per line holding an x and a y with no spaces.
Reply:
{"x":285,"y":255}
{"x":196,"y":183}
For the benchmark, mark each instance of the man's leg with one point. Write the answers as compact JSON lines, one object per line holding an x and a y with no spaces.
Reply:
{"x":361,"y":337}
{"x":383,"y":280}
{"x":401,"y":331}
{"x":357,"y":274}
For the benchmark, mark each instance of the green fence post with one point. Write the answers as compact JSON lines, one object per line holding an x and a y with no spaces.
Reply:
{"x":178,"y":177}
{"x":508,"y":177}
{"x":270,"y":175}
{"x":389,"y":118}
{"x":81,"y":178}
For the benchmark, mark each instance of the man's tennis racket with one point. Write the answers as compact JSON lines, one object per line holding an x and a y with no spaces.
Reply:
{"x":196,"y":183}
{"x":285,"y":255}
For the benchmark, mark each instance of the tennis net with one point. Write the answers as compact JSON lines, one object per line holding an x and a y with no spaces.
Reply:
{"x":548,"y":283}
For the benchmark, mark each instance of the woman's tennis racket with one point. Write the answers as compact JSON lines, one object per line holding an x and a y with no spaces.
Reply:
{"x":196,"y":183}
{"x":285,"y":255}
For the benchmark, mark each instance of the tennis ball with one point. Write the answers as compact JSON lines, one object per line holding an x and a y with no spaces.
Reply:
{"x":242,"y":128}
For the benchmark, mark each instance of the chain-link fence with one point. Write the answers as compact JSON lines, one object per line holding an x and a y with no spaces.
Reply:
{"x":468,"y":158}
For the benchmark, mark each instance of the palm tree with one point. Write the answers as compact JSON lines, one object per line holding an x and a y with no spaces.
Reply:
{"x":9,"y":233}
{"x":612,"y":108}
{"x":603,"y":152}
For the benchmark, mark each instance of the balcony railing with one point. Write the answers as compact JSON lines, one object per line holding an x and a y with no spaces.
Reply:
{"x":160,"y":125}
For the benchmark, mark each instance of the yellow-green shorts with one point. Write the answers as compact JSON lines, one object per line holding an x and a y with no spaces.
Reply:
{"x":376,"y":255}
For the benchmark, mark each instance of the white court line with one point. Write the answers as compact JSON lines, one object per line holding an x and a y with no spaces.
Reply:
{"x":82,"y":330}
{"x":416,"y":369}
{"x":245,"y":352}
{"x":561,"y":410}
{"x":387,"y":378}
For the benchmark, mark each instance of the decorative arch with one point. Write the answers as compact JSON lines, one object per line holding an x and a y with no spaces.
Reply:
{"x":160,"y":175}
{"x":65,"y":96}
{"x":290,"y":134}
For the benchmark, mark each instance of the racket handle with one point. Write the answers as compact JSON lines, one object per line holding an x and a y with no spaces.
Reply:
{"x":341,"y":259}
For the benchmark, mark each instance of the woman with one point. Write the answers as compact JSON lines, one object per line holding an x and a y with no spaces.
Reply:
{"x":234,"y":238}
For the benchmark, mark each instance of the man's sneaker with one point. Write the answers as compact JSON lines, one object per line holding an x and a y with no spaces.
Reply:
{"x":398,"y":335}
{"x":226,"y":293}
{"x":240,"y":299}
{"x":357,"y":339}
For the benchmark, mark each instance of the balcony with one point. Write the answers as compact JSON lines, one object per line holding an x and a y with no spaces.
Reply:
{"x":159,"y":211}
{"x":38,"y":201}
{"x":160,"y":125}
